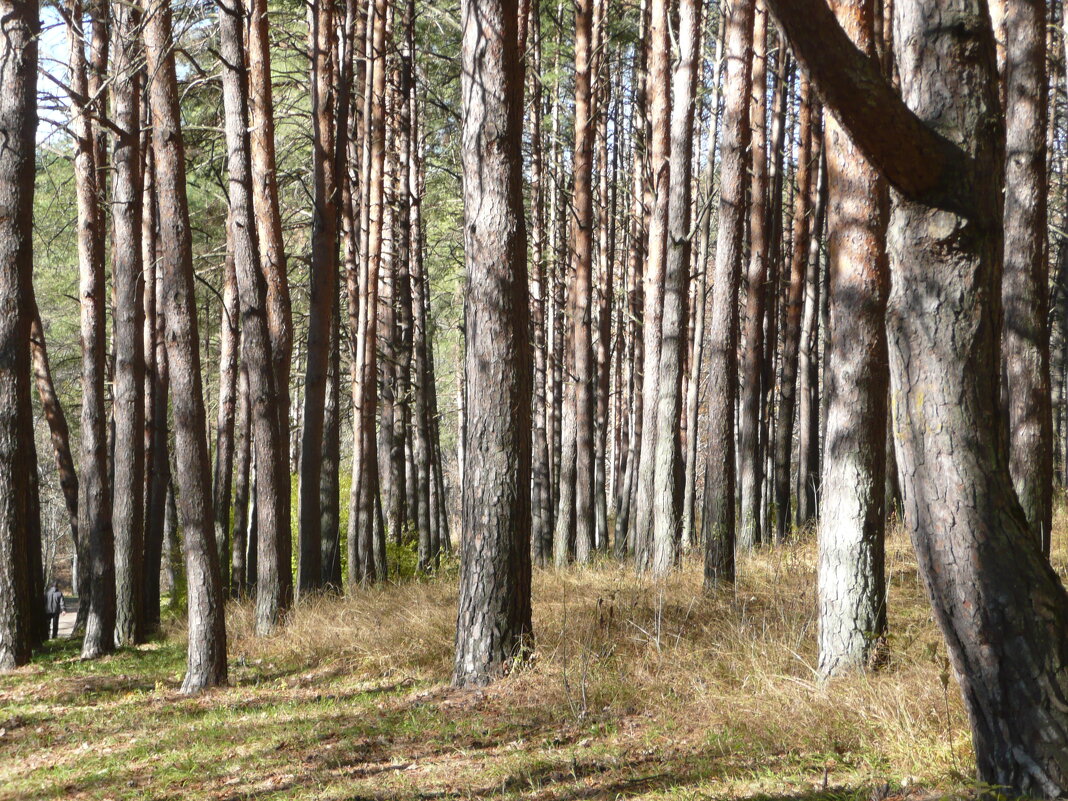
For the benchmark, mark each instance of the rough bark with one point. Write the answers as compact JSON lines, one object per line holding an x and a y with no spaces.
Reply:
{"x":206,"y":665}
{"x":851,"y":583}
{"x":274,"y":579}
{"x":750,"y":456}
{"x":578,"y":421}
{"x":323,"y":284}
{"x":1001,"y":608}
{"x":494,"y":619}
{"x":94,"y":507}
{"x":659,"y":99}
{"x":128,"y":411}
{"x":1025,"y":356}
{"x":18,"y":126}
{"x":717,"y":525}
{"x":667,"y":482}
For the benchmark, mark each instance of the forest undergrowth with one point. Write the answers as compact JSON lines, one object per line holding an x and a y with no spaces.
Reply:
{"x":636,"y":690}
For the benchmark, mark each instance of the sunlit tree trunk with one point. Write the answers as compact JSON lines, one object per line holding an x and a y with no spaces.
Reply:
{"x":94,"y":503}
{"x":494,"y":619}
{"x":206,"y":665}
{"x":128,"y":411}
{"x":717,"y":525}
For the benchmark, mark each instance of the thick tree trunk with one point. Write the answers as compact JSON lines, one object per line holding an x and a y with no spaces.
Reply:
{"x":659,"y":99}
{"x":494,"y":620}
{"x":1026,"y":393}
{"x":667,"y":484}
{"x":717,"y":525}
{"x":206,"y":665}
{"x":269,"y":221}
{"x":851,"y":583}
{"x":94,"y":507}
{"x":324,"y":264}
{"x":274,"y":587}
{"x":18,"y":126}
{"x":128,"y":492}
{"x":575,"y":511}
{"x":1002,"y":608}
{"x":361,"y":548}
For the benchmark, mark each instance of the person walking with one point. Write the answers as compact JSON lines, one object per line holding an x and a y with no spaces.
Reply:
{"x":54,"y":607}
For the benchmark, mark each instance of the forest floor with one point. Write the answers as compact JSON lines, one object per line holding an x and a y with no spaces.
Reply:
{"x":636,"y":691}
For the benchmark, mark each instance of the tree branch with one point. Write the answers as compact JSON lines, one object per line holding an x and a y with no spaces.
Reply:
{"x":918,"y":162}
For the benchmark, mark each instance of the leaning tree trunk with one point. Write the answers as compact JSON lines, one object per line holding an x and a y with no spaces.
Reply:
{"x":717,"y":525}
{"x":851,"y":583}
{"x":494,"y":620}
{"x":128,"y":492}
{"x":56,"y":419}
{"x":206,"y":665}
{"x":18,"y":126}
{"x":1002,"y":608}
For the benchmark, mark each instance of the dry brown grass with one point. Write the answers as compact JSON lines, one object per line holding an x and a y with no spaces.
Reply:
{"x":637,"y":690}
{"x":730,"y":676}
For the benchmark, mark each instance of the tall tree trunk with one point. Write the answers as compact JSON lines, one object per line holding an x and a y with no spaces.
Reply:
{"x":541,"y":533}
{"x":274,"y":579}
{"x":229,"y":336}
{"x":128,"y":492}
{"x":717,"y":525}
{"x":578,"y":419}
{"x":241,"y":542}
{"x":94,"y":507}
{"x":206,"y":664}
{"x":784,"y":427}
{"x":322,"y":48}
{"x":160,"y":471}
{"x":362,"y":567}
{"x":659,"y":99}
{"x":635,"y":301}
{"x":269,"y":224}
{"x":667,"y":485}
{"x":153,"y":535}
{"x":851,"y":583}
{"x":18,"y":127}
{"x":494,"y":619}
{"x":750,"y":457}
{"x":1026,"y":393}
{"x":1002,"y":608}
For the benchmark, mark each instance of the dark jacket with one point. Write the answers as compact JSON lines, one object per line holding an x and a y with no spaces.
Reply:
{"x":54,"y":602}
